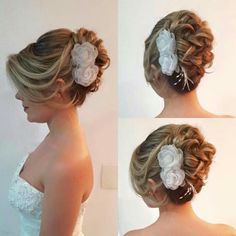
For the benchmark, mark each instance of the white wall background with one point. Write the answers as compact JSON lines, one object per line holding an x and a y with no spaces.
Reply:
{"x":215,"y":203}
{"x":137,"y":19}
{"x":22,"y":22}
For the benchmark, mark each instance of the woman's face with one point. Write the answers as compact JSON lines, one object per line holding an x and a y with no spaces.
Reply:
{"x":36,"y":112}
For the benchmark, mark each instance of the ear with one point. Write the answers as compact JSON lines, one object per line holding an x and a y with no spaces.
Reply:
{"x":61,"y":85}
{"x":157,"y":190}
{"x":153,"y":185}
{"x":155,"y":73}
{"x":151,"y":199}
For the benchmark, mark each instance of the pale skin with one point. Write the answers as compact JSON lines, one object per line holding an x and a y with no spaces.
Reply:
{"x":178,"y":105}
{"x":179,"y":220}
{"x":60,"y":166}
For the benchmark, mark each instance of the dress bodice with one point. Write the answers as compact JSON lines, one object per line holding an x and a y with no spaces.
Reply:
{"x":28,"y":202}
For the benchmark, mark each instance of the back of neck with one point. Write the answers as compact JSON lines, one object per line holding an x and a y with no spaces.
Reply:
{"x":183,"y":105}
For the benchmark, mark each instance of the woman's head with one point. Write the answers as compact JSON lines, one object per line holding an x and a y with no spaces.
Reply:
{"x":164,"y":143}
{"x":193,"y":48}
{"x":45,"y":68}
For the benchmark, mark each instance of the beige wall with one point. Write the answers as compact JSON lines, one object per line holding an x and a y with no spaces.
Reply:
{"x":22,"y":22}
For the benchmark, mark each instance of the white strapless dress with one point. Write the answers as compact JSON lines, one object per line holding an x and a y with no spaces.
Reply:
{"x":28,"y":202}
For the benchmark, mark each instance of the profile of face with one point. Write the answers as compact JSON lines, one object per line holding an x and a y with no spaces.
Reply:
{"x":177,"y":53}
{"x":36,"y":112}
{"x":57,"y":71}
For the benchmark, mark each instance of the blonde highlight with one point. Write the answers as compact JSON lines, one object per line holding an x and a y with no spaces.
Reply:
{"x":35,"y":69}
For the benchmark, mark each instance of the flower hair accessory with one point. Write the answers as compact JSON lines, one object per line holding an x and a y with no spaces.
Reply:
{"x":166,"y":46}
{"x":83,"y":58}
{"x":170,"y":160}
{"x":168,"y":59}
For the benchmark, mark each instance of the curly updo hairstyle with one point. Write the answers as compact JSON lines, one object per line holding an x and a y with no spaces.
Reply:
{"x":194,"y":41}
{"x":197,"y":155}
{"x":35,"y":69}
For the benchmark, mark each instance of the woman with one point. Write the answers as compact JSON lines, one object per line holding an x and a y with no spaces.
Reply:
{"x":53,"y":77}
{"x":167,"y":170}
{"x":177,"y":53}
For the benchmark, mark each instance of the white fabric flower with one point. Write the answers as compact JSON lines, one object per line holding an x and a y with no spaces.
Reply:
{"x":85,"y":75}
{"x":166,"y":46}
{"x":83,"y":58}
{"x":170,"y":156}
{"x":168,"y":63}
{"x":166,"y":42}
{"x":84,"y":54}
{"x":172,"y":178}
{"x":170,"y":160}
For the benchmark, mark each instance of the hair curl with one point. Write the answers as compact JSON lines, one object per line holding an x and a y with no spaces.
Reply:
{"x":35,"y":69}
{"x":194,"y":41}
{"x":198,"y":155}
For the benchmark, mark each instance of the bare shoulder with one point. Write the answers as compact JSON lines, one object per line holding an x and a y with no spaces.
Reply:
{"x":225,"y":230}
{"x":69,"y":165}
{"x":73,"y":164}
{"x":212,"y":115}
{"x":225,"y":116}
{"x":69,"y":175}
{"x":69,"y":157}
{"x":66,"y":165}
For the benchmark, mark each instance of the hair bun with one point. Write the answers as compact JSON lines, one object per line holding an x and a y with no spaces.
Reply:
{"x":194,"y":41}
{"x":194,"y":45}
{"x":198,"y":154}
{"x":197,"y":158}
{"x":182,"y":194}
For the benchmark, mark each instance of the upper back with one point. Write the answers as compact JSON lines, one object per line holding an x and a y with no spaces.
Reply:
{"x":187,"y":230}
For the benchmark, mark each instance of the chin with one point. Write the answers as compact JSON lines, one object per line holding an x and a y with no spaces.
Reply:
{"x":32,"y":120}
{"x":35,"y":119}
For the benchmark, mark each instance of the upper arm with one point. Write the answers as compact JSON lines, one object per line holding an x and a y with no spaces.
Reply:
{"x":63,"y":193}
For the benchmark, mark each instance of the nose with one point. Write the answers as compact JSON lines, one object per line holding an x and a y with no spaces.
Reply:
{"x":18,"y":96}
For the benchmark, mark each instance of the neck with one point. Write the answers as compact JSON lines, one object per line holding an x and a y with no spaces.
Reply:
{"x":172,"y":210}
{"x":64,"y":121}
{"x":186,"y":105}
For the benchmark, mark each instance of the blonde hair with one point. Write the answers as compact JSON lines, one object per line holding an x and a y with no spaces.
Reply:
{"x":193,"y":44}
{"x":35,"y":69}
{"x":197,"y":153}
